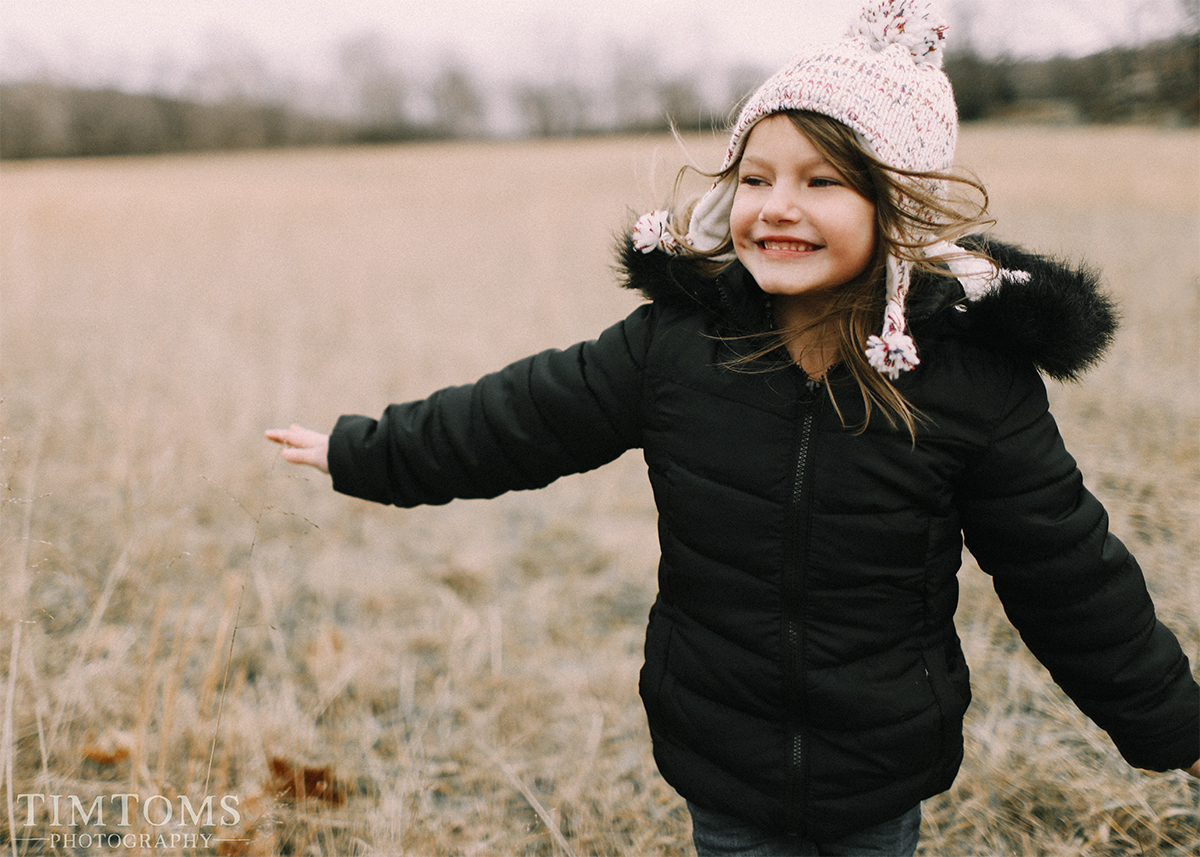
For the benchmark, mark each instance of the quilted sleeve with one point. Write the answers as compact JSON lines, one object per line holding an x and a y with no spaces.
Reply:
{"x":1073,"y":590}
{"x":546,"y":416}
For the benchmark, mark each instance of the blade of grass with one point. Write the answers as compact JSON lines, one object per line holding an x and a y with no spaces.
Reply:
{"x":224,"y":685}
{"x":9,"y":738}
{"x":531,"y":798}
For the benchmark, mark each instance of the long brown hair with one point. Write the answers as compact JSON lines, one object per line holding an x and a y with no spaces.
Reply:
{"x":913,"y":210}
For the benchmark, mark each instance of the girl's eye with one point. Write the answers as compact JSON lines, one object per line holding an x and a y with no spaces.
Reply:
{"x":825,"y":181}
{"x":753,"y":181}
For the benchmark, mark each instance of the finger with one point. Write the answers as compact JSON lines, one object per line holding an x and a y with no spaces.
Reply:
{"x":313,"y":457}
{"x":293,"y":436}
{"x":295,"y":455}
{"x":301,"y":436}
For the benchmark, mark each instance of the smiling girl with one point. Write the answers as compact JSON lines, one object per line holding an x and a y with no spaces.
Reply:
{"x":833,"y":385}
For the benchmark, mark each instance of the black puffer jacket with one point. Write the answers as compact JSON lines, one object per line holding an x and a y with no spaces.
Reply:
{"x":802,"y":666}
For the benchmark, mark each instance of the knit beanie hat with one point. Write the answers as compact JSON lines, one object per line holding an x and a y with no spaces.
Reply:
{"x":885,"y":82}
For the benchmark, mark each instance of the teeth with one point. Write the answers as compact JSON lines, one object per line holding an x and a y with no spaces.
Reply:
{"x":796,"y":246}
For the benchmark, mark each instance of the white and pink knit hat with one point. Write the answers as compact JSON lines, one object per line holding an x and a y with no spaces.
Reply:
{"x":885,"y":81}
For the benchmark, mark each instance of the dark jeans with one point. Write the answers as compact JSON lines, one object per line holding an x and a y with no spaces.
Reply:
{"x":719,"y":835}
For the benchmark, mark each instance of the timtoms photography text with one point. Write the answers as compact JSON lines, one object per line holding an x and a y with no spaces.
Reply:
{"x":68,"y":821}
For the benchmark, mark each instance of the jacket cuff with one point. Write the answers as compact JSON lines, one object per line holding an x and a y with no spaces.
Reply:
{"x":1175,"y":751}
{"x":346,"y":471}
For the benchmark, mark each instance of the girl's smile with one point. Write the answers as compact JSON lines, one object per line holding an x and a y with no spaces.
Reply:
{"x":797,"y":226}
{"x":784,"y":245}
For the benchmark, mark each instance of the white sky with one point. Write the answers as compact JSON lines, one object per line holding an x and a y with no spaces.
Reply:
{"x":133,"y":41}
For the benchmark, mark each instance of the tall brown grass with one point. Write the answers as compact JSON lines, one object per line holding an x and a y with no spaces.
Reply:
{"x":183,"y":614}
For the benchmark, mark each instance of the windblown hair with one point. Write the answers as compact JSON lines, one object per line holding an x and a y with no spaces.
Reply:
{"x":913,"y":210}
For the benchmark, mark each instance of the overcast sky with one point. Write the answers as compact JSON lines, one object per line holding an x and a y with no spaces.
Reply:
{"x":134,"y":41}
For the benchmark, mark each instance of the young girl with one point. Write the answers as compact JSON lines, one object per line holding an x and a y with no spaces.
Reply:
{"x":832,"y":386}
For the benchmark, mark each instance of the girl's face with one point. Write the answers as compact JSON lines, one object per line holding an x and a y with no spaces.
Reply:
{"x":797,"y":226}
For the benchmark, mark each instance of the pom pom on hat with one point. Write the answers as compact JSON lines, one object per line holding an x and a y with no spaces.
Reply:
{"x":908,"y":23}
{"x":892,"y":354}
{"x":653,"y":232}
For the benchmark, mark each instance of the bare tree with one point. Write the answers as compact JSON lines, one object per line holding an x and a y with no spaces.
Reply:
{"x":634,"y":88}
{"x":458,"y":105}
{"x":682,"y":104}
{"x":37,"y":121}
{"x":233,"y":71}
{"x":378,"y":88}
{"x":556,"y":109}
{"x":1191,"y":14}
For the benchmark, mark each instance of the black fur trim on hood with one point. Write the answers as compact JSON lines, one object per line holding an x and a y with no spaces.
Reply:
{"x":664,"y":278}
{"x":1058,"y":318}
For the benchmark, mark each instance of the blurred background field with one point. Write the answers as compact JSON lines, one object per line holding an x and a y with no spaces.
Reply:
{"x":183,"y":613}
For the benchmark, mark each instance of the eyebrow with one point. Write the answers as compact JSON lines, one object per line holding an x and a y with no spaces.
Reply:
{"x":765,"y":162}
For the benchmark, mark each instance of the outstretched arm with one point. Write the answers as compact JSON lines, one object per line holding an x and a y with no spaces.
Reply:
{"x":303,"y":446}
{"x":549,"y":415}
{"x":1073,"y":590}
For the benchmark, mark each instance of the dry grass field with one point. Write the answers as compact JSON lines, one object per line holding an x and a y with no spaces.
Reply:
{"x":183,"y":615}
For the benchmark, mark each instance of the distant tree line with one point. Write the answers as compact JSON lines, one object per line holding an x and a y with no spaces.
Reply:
{"x":1159,"y":82}
{"x":1156,"y":83}
{"x":48,"y":120}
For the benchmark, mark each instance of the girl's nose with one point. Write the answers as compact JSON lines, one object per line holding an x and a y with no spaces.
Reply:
{"x":781,"y":206}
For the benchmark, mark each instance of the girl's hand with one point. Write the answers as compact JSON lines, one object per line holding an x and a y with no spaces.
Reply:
{"x":1194,"y":770}
{"x":304,"y":446}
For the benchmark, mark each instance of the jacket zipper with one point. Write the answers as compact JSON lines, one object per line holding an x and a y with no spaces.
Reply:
{"x":794,"y":604}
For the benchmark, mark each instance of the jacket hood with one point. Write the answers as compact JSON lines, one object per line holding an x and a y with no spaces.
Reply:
{"x":1052,"y":314}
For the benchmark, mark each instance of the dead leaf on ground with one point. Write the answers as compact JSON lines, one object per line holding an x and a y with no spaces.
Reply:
{"x":292,"y":782}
